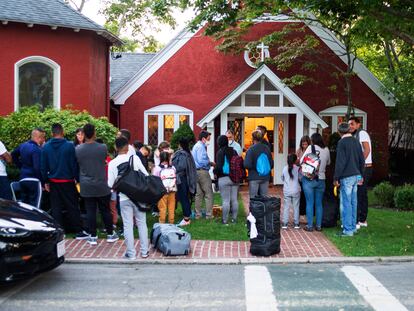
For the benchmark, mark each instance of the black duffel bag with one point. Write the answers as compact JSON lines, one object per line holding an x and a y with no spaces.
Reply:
{"x":266,"y":210}
{"x":138,"y":187}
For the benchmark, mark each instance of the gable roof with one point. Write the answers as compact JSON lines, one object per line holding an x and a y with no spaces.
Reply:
{"x":275,"y":80}
{"x":178,"y":42}
{"x":54,"y":13}
{"x":125,"y":67}
{"x":129,"y":88}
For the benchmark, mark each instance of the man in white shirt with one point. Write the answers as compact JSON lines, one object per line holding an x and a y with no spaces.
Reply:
{"x":5,"y":157}
{"x":365,"y":141}
{"x":232,"y":143}
{"x":129,"y":210}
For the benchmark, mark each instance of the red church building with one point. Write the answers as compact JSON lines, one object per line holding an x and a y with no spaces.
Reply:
{"x":189,"y":81}
{"x":52,"y":56}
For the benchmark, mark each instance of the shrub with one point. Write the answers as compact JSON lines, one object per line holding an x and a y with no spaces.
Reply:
{"x":384,"y":193}
{"x":183,"y":131}
{"x":404,"y":197}
{"x":16,"y":127}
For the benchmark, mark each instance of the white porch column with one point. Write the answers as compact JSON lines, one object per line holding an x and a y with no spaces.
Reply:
{"x":210,"y":148}
{"x":299,"y":128}
{"x":223,"y":122}
{"x":313,"y":127}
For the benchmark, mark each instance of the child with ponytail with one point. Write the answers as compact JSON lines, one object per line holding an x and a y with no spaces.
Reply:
{"x":291,"y":191}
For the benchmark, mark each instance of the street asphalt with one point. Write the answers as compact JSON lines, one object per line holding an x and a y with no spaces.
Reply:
{"x":215,"y":287}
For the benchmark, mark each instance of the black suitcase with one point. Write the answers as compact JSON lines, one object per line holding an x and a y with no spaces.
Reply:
{"x":330,"y":205}
{"x":266,"y":210}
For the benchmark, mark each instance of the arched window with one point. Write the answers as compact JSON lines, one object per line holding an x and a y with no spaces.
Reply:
{"x":37,"y":82}
{"x":162,"y":121}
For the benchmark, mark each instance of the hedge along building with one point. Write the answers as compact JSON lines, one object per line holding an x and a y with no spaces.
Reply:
{"x":52,"y":56}
{"x":189,"y":81}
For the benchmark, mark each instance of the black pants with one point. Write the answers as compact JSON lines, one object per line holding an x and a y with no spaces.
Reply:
{"x":363,"y":196}
{"x":102,"y":203}
{"x":64,"y":198}
{"x":30,"y":192}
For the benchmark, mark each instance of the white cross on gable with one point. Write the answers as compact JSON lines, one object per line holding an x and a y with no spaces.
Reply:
{"x":263,"y":49}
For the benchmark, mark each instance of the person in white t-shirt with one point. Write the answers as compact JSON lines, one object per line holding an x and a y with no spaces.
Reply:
{"x":365,"y":141}
{"x":5,"y":157}
{"x":129,"y":210}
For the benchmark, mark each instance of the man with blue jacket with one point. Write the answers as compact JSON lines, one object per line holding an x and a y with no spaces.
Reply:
{"x":27,"y":158}
{"x":60,"y":171}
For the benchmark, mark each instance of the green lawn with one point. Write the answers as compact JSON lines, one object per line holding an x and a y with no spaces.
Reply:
{"x":201,"y":229}
{"x":389,"y":233}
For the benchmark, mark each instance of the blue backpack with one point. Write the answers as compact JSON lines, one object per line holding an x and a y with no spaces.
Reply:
{"x":226,"y":166}
{"x":262,"y":165}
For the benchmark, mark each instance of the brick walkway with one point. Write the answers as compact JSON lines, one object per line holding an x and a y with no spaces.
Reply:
{"x":294,"y":244}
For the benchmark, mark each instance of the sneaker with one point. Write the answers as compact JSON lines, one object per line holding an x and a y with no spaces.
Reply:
{"x":128,"y":257}
{"x":145,"y":255}
{"x":111,"y":238}
{"x":318,"y":228}
{"x":233,"y":221}
{"x":343,"y":235}
{"x":92,"y":240}
{"x":363,"y":224}
{"x":358,"y":226}
{"x":155,"y":214}
{"x":284,"y":226}
{"x":309,"y":229}
{"x":83,"y":235}
{"x":297,"y":226}
{"x":184,"y":222}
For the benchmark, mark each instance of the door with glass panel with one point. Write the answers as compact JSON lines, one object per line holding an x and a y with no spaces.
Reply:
{"x":280,"y":146}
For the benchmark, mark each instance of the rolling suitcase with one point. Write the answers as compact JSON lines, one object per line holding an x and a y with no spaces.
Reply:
{"x":266,"y":211}
{"x":170,"y":239}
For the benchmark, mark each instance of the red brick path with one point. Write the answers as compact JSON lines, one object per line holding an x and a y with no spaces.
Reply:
{"x":294,"y":244}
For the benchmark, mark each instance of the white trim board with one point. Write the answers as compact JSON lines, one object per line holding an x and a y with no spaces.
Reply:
{"x":271,"y":76}
{"x":151,"y":67}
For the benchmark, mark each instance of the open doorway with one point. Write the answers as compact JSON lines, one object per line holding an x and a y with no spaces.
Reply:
{"x":251,"y":123}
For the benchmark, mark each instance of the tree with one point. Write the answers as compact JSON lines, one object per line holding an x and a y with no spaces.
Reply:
{"x":77,"y":4}
{"x":350,"y":22}
{"x":141,"y":17}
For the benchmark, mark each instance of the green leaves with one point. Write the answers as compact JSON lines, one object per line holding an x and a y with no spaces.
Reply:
{"x":16,"y":127}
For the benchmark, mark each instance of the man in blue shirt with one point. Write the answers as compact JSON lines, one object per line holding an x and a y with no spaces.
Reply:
{"x":204,"y":184}
{"x":27,"y":158}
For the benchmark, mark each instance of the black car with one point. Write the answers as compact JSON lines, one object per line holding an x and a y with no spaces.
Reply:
{"x":30,"y":241}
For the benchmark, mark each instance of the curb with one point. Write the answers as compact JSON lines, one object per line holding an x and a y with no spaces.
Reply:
{"x":245,"y":261}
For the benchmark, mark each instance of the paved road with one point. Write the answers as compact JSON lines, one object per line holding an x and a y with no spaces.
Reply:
{"x":215,"y":287}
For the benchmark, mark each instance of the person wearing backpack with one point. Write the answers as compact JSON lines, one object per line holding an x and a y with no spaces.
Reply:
{"x":313,"y":180}
{"x":259,"y":164}
{"x":228,"y":188}
{"x":167,"y":173}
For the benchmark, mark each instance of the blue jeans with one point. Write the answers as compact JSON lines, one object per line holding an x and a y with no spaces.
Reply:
{"x":349,"y":201}
{"x":314,"y":190}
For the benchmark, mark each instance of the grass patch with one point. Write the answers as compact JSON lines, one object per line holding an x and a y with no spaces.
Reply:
{"x":202,"y":229}
{"x":389,"y":233}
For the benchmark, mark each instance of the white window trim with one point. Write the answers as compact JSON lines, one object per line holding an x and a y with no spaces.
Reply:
{"x":56,"y":78}
{"x":340,"y":111}
{"x":161,"y":111}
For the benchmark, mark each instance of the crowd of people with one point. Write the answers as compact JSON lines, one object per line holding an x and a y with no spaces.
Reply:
{"x":79,"y":175}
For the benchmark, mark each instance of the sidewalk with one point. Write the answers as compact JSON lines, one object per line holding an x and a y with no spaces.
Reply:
{"x":294,"y":244}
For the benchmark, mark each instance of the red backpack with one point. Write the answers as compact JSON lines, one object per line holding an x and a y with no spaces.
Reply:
{"x":237,"y":172}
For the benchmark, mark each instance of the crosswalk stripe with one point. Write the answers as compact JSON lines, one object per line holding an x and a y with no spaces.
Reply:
{"x":372,"y":290}
{"x":259,"y":289}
